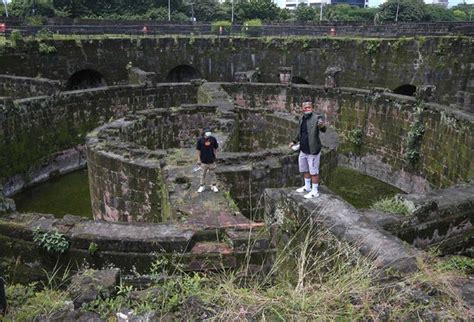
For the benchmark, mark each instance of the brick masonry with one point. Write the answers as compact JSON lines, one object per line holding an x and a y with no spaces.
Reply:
{"x":34,"y":130}
{"x":444,"y":62}
{"x":446,"y":148}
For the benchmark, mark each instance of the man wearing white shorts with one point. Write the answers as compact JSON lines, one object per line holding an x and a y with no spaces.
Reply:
{"x":310,"y":146}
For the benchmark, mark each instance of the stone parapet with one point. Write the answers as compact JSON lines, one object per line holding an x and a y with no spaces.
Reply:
{"x":341,"y":220}
{"x":134,"y":246}
{"x":126,"y":159}
{"x":37,"y":133}
{"x":443,"y":219}
{"x":21,"y":87}
{"x":385,"y":120}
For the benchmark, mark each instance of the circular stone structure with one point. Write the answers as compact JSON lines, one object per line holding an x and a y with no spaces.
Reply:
{"x":140,"y":166}
{"x":140,"y":153}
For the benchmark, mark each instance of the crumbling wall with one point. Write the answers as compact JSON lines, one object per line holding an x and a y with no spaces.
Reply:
{"x":21,"y":87}
{"x":441,"y":155}
{"x":34,"y":130}
{"x":127,"y":178}
{"x":440,"y":61}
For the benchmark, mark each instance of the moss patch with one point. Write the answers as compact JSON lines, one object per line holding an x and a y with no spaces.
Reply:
{"x":358,"y":189}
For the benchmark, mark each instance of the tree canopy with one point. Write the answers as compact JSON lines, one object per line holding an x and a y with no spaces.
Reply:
{"x":213,"y":10}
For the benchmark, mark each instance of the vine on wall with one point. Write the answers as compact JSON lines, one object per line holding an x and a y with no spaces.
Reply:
{"x":414,"y":137}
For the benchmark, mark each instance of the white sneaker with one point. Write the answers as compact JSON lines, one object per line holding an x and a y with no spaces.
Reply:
{"x":302,"y":189}
{"x":214,"y":188}
{"x":311,"y":195}
{"x":201,"y":189}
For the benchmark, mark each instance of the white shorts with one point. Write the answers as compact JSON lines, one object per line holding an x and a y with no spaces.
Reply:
{"x":309,"y":163}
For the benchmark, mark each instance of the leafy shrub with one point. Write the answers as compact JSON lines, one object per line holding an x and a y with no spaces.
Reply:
{"x":413,"y":142}
{"x":391,"y":205}
{"x":46,"y":49}
{"x":253,"y":27}
{"x":93,"y":248}
{"x":15,"y":37}
{"x":372,"y":47}
{"x":355,"y":137}
{"x":35,"y":20}
{"x":44,"y":34}
{"x":52,"y":242}
{"x":160,"y":14}
{"x":226,"y":25}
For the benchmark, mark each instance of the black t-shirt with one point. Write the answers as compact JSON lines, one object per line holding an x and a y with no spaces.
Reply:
{"x":207,"y":147}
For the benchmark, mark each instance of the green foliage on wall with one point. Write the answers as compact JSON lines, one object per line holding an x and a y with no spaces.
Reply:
{"x":44,"y":48}
{"x":355,"y":136}
{"x":52,"y":242}
{"x":252,"y":27}
{"x":226,"y":27}
{"x":414,"y":137}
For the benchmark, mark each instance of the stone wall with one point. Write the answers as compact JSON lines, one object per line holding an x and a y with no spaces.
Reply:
{"x":21,"y":87}
{"x":33,"y":130}
{"x":76,"y":26}
{"x":443,"y":62}
{"x":261,"y":129}
{"x":126,"y":159}
{"x":175,"y":128}
{"x":248,"y":181}
{"x":264,"y":136}
{"x":442,"y":219}
{"x":445,"y":149}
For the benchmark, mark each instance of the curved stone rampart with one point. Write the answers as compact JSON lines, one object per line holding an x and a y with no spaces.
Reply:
{"x":21,"y":87}
{"x":386,"y":122}
{"x":126,"y":159}
{"x":42,"y":135}
{"x":387,"y":63}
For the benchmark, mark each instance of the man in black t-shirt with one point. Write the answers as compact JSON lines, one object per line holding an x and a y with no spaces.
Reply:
{"x":206,"y":157}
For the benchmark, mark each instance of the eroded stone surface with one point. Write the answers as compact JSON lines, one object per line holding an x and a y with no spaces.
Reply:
{"x":90,"y":284}
{"x":343,"y":221}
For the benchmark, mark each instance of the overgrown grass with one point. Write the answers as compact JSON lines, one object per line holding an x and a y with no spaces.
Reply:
{"x":391,"y":205}
{"x":313,"y":277}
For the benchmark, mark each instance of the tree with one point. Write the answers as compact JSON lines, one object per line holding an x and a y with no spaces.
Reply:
{"x":438,"y":13}
{"x":304,"y":13}
{"x":463,"y":12}
{"x":265,"y":10}
{"x":345,"y":12}
{"x":25,"y":8}
{"x":207,"y":10}
{"x":409,"y":10}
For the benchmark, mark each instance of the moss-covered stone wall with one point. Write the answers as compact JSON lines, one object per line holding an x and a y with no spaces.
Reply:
{"x":21,"y":87}
{"x":259,"y":130}
{"x":178,"y":127}
{"x":126,"y":158}
{"x":34,"y":129}
{"x":442,"y":139}
{"x":441,"y":61}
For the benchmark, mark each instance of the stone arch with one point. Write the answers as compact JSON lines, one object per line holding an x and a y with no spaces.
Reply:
{"x":85,"y":78}
{"x":183,"y":73}
{"x":298,"y":80}
{"x":406,"y":89}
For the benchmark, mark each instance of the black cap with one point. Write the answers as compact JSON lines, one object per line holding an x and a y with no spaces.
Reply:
{"x":207,"y":129}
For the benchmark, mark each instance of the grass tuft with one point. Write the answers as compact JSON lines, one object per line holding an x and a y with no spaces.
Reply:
{"x":391,"y":205}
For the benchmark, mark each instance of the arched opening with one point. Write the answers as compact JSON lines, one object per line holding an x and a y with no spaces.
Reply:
{"x":407,"y":89}
{"x":86,"y":78}
{"x":298,"y":80}
{"x":183,"y":73}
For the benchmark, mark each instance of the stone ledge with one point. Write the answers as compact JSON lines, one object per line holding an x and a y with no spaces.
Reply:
{"x":345,"y":223}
